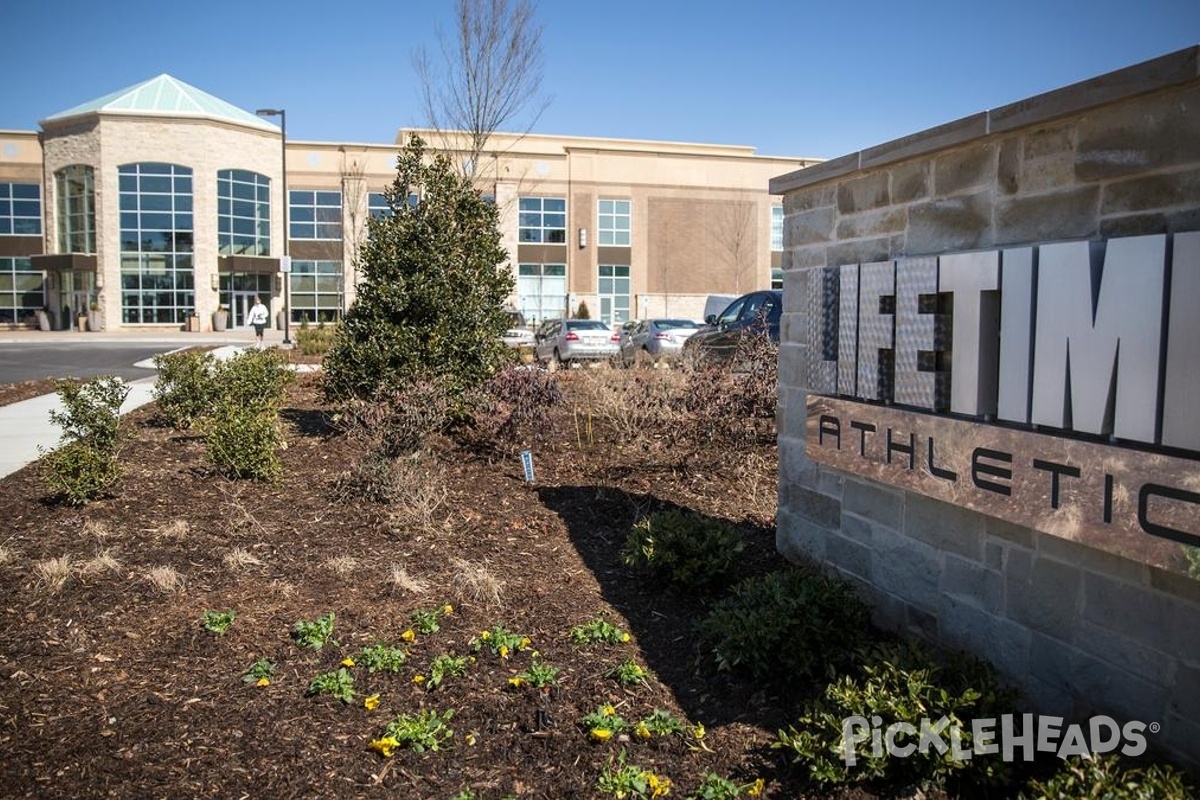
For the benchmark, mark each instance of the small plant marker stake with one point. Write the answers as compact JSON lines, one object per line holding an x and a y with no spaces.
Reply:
{"x":527,"y":464}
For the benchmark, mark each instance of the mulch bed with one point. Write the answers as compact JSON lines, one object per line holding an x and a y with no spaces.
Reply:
{"x":111,"y":687}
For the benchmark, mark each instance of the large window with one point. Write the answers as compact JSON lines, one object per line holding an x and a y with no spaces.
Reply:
{"x":542,"y":291}
{"x":614,"y":293}
{"x":157,"y":279}
{"x":377,"y":204}
{"x":316,"y":291}
{"x":243,"y":213}
{"x":315,"y":214}
{"x":777,"y":228}
{"x":20,"y":289}
{"x":612,"y":225}
{"x":76,"y":199}
{"x":543,"y":220}
{"x":20,"y":209}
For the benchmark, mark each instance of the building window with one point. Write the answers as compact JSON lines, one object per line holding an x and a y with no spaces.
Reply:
{"x":243,"y":213}
{"x":21,"y":291}
{"x":777,"y":229}
{"x":315,"y":214}
{"x":316,"y":291}
{"x":76,"y":199}
{"x":776,"y":278}
{"x":20,"y":209}
{"x":157,"y":278}
{"x":612,"y":225}
{"x":379,"y":208}
{"x":614,"y":293}
{"x":543,"y":220}
{"x":542,"y":291}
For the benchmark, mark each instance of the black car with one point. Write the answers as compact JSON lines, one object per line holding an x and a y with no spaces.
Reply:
{"x":750,"y":313}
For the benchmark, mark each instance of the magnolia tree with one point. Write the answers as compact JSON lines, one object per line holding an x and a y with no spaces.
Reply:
{"x":433,"y":284}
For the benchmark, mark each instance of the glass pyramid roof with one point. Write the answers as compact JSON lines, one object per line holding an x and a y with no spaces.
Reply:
{"x":165,"y":96}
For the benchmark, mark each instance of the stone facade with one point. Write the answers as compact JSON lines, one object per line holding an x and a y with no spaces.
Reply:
{"x":1079,"y":630}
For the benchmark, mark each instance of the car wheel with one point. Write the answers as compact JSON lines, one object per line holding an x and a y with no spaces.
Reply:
{"x":558,"y":359}
{"x":642,"y":358}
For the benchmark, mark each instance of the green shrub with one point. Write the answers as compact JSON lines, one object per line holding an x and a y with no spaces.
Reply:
{"x":244,"y":442}
{"x":434,"y":283}
{"x":686,"y":549}
{"x":1107,"y":777}
{"x":315,"y":341}
{"x":253,"y":378}
{"x":901,"y":684}
{"x":86,"y":463}
{"x":185,"y":390}
{"x":793,"y":624}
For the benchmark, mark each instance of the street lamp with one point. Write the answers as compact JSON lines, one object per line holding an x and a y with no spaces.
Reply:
{"x":285,"y":263}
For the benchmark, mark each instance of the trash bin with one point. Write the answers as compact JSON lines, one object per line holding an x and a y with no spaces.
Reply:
{"x":193,"y":323}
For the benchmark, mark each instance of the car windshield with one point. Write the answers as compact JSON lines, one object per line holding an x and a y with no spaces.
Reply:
{"x":676,"y":323}
{"x":586,"y":325}
{"x":516,"y":319}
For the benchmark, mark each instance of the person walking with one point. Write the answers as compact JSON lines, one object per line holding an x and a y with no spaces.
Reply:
{"x":258,"y":317}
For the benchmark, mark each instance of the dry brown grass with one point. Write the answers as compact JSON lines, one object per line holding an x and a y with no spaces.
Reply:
{"x":96,"y":529}
{"x":475,"y":582}
{"x":103,"y":562}
{"x":402,"y":580}
{"x":166,"y":579}
{"x":418,"y":507}
{"x":7,"y":554}
{"x":177,"y":530}
{"x":239,"y":559}
{"x":53,"y":573}
{"x":342,"y":565}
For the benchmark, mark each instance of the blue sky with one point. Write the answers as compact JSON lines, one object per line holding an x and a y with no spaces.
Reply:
{"x":785,"y":76}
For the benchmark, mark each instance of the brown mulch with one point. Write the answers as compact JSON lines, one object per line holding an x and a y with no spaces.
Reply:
{"x":110,"y":686}
{"x":26,"y":390}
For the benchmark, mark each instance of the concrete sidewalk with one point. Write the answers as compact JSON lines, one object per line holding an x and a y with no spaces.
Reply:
{"x":240,"y":337}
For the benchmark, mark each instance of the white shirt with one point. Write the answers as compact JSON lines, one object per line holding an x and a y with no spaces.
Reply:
{"x":258,"y":315}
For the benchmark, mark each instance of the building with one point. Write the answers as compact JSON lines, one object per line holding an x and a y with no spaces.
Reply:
{"x":158,"y":205}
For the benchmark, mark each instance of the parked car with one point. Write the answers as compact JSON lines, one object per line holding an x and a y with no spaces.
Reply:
{"x":566,"y":340}
{"x":518,"y":333}
{"x":747,"y":314}
{"x":656,"y":339}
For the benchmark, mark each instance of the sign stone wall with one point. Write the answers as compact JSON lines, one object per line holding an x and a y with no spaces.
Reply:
{"x":990,"y":383}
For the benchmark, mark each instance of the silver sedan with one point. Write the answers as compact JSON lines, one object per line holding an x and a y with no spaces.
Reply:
{"x":656,"y":339}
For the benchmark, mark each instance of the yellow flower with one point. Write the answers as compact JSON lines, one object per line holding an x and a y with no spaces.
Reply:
{"x":756,"y":788}
{"x":601,"y":734}
{"x":385,"y":746}
{"x":371,"y":702}
{"x":409,"y":635}
{"x":698,"y":731}
{"x":608,"y":710}
{"x":263,"y":682}
{"x":659,"y":786}
{"x":447,"y":609}
{"x":642,"y":731}
{"x":516,"y":681}
{"x":418,"y":678}
{"x":624,"y":637}
{"x":504,"y":651}
{"x":525,"y":642}
{"x":347,"y":662}
{"x":485,"y":635}
{"x":470,"y":737}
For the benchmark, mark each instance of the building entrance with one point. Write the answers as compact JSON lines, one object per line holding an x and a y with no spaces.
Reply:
{"x":238,"y":290}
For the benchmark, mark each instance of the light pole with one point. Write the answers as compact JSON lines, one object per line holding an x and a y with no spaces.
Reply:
{"x":285,"y":263}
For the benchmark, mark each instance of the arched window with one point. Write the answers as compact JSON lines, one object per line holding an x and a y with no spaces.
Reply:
{"x":243,"y":213}
{"x":75,"y":187}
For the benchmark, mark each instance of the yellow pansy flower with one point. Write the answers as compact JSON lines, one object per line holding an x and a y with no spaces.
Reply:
{"x":385,"y":746}
{"x":418,"y":679}
{"x":470,"y":738}
{"x":525,"y":642}
{"x":409,"y":635}
{"x":624,"y":637}
{"x":659,"y":786}
{"x":263,"y":682}
{"x":698,"y":731}
{"x":371,"y":702}
{"x":516,"y":681}
{"x":756,"y":788}
{"x":347,"y":662}
{"x":601,"y":734}
{"x":447,"y":609}
{"x":503,"y":651}
{"x":608,"y":710}
{"x":485,"y":635}
{"x":642,"y":731}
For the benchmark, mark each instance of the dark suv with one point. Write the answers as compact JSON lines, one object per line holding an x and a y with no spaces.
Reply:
{"x":747,"y":314}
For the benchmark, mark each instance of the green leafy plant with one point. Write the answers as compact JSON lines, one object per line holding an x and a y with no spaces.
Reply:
{"x":686,"y":549}
{"x":337,"y":683}
{"x":260,"y":672}
{"x":381,"y":658}
{"x":315,"y":341}
{"x":900,"y":684}
{"x":500,"y":641}
{"x":1108,"y":777}
{"x":218,"y":621}
{"x":794,"y":624}
{"x":714,"y":787}
{"x":86,"y":463}
{"x":598,"y":631}
{"x":426,"y":622}
{"x":427,"y":730}
{"x":1192,"y":555}
{"x":185,"y":390}
{"x":628,"y":673}
{"x":446,"y":666}
{"x":623,"y":780}
{"x":430,"y":304}
{"x":659,"y":723}
{"x":314,"y":634}
{"x":242,"y":433}
{"x":604,"y":723}
{"x":539,"y":676}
